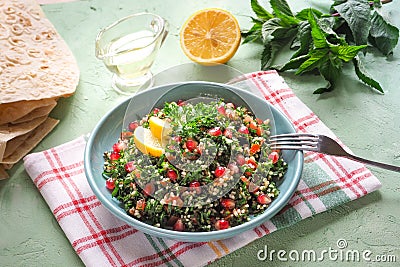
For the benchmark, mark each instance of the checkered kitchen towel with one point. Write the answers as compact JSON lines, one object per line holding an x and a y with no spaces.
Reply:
{"x":100,"y":239}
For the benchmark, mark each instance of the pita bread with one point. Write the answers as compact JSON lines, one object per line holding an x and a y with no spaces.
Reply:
{"x":36,"y":113}
{"x":7,"y":166}
{"x":35,"y":62}
{"x":11,"y":112}
{"x":8,"y":131}
{"x":31,"y":141}
{"x":3,"y":173}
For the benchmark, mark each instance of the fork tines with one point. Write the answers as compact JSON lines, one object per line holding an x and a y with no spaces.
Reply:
{"x":295,"y":141}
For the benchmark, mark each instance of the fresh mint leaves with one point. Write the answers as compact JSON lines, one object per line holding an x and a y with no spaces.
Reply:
{"x":357,"y":15}
{"x":321,"y":42}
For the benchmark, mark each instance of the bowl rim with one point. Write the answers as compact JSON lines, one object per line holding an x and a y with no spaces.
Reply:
{"x":120,"y":213}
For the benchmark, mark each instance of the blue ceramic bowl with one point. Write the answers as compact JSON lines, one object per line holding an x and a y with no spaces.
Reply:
{"x":107,"y":131}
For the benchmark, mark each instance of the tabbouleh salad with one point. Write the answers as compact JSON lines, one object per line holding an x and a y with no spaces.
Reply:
{"x":236,"y":183}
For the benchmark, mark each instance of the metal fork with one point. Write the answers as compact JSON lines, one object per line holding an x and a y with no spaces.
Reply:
{"x":322,"y":144}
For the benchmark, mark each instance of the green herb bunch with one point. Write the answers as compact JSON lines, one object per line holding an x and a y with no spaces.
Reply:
{"x":320,"y":42}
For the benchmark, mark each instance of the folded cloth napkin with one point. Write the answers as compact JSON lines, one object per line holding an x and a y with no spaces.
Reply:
{"x":100,"y":239}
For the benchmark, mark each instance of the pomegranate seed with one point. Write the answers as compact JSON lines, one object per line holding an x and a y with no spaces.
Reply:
{"x":114,"y":155}
{"x":191,"y":144}
{"x":196,"y":186}
{"x":221,"y":224}
{"x":240,"y":160}
{"x":228,"y":133}
{"x":133,"y":125}
{"x":274,"y":156}
{"x":219,"y":171}
{"x":177,"y":138}
{"x":243,"y":130}
{"x":156,"y":110}
{"x":263,"y":199}
{"x":221,"y":110}
{"x":110,"y":184}
{"x":179,"y":226}
{"x":130,"y":166}
{"x":172,"y":175}
{"x":215,"y":131}
{"x":118,"y":147}
{"x":149,"y":189}
{"x":228,"y":203}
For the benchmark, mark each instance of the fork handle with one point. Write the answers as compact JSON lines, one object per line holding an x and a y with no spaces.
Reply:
{"x":375,"y":163}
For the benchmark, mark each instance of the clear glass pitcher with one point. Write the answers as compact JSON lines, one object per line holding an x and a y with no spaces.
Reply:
{"x":128,"y":48}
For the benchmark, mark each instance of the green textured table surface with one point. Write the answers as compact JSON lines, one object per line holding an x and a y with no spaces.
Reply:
{"x":367,"y":122}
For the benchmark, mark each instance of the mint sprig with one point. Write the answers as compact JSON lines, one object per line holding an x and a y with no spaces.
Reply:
{"x":321,"y":42}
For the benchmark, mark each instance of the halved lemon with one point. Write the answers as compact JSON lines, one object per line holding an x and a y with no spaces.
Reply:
{"x":210,"y":36}
{"x":159,"y":128}
{"x":146,"y":142}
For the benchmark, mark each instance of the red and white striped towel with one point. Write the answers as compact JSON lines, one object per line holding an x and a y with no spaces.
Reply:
{"x":100,"y":239}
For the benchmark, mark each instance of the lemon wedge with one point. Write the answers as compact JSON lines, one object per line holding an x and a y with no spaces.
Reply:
{"x":147,"y":143}
{"x":159,"y":128}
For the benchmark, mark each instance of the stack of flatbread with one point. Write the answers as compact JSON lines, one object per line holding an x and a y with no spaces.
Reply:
{"x":36,"y":69}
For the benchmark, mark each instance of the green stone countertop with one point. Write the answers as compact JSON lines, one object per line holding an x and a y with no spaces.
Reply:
{"x":367,"y":122}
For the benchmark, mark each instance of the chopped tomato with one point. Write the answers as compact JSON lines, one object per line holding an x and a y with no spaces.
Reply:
{"x":221,"y":224}
{"x":253,"y":125}
{"x":252,"y":164}
{"x":140,"y":204}
{"x":259,"y":131}
{"x":254,"y":148}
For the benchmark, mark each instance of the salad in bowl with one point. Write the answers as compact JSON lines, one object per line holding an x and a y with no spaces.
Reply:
{"x":192,"y":167}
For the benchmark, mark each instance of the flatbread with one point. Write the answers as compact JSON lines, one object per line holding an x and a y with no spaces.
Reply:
{"x":9,"y":131}
{"x":35,"y":62}
{"x":31,"y":141}
{"x":11,"y":112}
{"x":36,"y":113}
{"x":3,"y":173}
{"x":7,"y":166}
{"x":13,"y":145}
